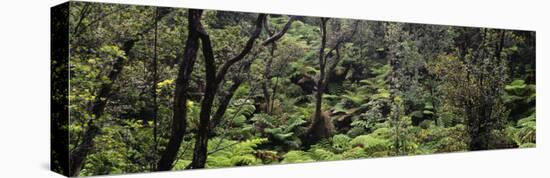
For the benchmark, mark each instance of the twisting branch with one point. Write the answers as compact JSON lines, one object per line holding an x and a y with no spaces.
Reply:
{"x":222,"y":148}
{"x":239,"y":108}
{"x":278,"y":35}
{"x":269,"y":100}
{"x":213,"y":80}
{"x":224,"y":102}
{"x":79,"y":31}
{"x":248,"y":46}
{"x":267,"y":28}
{"x":85,"y":10}
{"x":344,"y":38}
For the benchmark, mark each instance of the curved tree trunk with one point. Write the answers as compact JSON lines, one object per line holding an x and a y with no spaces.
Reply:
{"x":213,"y":80}
{"x":321,"y":125}
{"x":179,"y":119}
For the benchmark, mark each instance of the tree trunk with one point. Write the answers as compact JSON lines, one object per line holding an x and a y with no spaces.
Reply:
{"x":317,"y":129}
{"x":155,"y":81}
{"x":179,"y":119}
{"x":273,"y":37}
{"x":321,"y":125}
{"x":224,"y":103}
{"x":482,"y":119}
{"x":213,"y":79}
{"x":394,"y":32}
{"x":201,"y":144}
{"x":267,"y":80}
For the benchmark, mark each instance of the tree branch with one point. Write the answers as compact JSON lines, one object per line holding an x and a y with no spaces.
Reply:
{"x":280,"y":34}
{"x":249,"y":44}
{"x":85,"y":10}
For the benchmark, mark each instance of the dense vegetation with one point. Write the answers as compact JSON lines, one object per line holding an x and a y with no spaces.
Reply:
{"x":169,"y":89}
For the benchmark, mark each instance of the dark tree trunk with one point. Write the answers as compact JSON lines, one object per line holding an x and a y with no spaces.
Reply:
{"x":213,"y":79}
{"x":322,"y":63}
{"x":321,"y":125}
{"x":267,"y":69}
{"x":230,"y":92}
{"x":273,"y":94}
{"x":278,"y":35}
{"x":224,"y":103}
{"x":179,"y":119}
{"x":201,"y":144}
{"x":267,"y":80}
{"x":273,"y":37}
{"x":155,"y":81}
{"x":317,"y":129}
{"x":83,"y":13}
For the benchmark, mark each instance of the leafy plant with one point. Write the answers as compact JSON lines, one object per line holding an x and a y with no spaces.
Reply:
{"x":234,"y":153}
{"x":296,"y":157}
{"x":281,"y":130}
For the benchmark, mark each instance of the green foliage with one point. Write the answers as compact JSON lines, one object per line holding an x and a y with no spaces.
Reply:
{"x":324,"y":155}
{"x":373,"y":145}
{"x":341,"y":143}
{"x":524,"y":132}
{"x":402,"y":89}
{"x":520,"y":97}
{"x":281,"y":130}
{"x":124,"y":148}
{"x":233,"y":153}
{"x":436,"y":139}
{"x":296,"y":157}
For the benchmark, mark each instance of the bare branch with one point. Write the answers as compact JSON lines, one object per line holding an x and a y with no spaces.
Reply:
{"x":248,"y":46}
{"x":280,"y":34}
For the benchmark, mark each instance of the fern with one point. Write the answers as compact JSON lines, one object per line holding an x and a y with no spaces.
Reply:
{"x":323,"y":155}
{"x":354,"y":153}
{"x":354,"y":97}
{"x":282,"y":130}
{"x":371,"y":145}
{"x":524,"y":132}
{"x":263,"y":119}
{"x":341,"y":143}
{"x":297,"y":157}
{"x":233,"y":153}
{"x":520,"y":98}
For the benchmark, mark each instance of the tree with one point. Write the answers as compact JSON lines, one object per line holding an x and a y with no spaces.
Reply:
{"x":78,"y":156}
{"x":155,"y":81}
{"x":395,"y":40}
{"x":321,"y":125}
{"x":481,"y":72}
{"x":272,"y":40}
{"x":179,"y":119}
{"x":213,"y":79}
